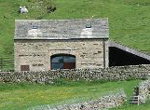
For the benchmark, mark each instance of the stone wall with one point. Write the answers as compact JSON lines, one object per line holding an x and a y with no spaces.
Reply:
{"x":102,"y":74}
{"x":144,"y":91}
{"x":36,"y":54}
{"x":110,"y":101}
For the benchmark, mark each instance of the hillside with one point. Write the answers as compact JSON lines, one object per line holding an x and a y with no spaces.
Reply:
{"x":129,"y":20}
{"x":22,"y":96}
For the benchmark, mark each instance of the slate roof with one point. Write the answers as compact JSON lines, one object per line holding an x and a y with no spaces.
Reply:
{"x":61,"y":29}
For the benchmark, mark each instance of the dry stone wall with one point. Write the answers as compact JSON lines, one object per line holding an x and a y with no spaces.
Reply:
{"x":144,"y":91}
{"x":102,"y":74}
{"x":109,"y":101}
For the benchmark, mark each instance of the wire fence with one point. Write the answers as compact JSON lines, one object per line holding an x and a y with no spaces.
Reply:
{"x":6,"y":64}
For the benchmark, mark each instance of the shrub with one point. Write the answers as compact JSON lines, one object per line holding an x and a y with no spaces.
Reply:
{"x":47,"y":5}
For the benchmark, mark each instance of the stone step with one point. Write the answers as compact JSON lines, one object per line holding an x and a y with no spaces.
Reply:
{"x":134,"y":99}
{"x":136,"y":103}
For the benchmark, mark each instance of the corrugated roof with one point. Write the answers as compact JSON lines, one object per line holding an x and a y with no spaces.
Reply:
{"x":61,"y":29}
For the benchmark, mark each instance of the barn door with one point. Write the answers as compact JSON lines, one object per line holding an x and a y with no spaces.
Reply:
{"x":63,"y":61}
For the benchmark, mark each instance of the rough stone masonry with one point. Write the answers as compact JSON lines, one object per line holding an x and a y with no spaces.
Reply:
{"x":144,"y":91}
{"x":109,"y":101}
{"x":102,"y":74}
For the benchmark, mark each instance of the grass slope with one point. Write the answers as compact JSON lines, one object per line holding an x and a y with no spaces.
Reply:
{"x":23,"y":96}
{"x":129,"y":20}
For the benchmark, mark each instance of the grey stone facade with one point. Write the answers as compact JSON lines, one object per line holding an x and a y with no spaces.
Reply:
{"x":36,"y":41}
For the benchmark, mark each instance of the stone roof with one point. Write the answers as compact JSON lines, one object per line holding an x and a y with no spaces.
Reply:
{"x":61,"y":29}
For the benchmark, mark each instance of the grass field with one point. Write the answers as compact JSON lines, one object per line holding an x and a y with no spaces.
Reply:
{"x":129,"y":20}
{"x":23,"y":96}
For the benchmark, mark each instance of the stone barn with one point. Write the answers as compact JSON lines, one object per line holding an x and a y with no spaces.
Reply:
{"x":43,"y":45}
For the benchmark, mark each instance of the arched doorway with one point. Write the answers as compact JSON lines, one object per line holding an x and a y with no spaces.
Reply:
{"x":63,"y":61}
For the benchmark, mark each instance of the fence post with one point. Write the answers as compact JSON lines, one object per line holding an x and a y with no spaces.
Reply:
{"x":1,"y":63}
{"x":138,"y":100}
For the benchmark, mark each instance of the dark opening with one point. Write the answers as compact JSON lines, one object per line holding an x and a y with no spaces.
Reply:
{"x":35,"y":27}
{"x":63,"y":61}
{"x":118,"y":57}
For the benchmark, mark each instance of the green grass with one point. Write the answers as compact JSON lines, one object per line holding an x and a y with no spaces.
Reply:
{"x":128,"y":24}
{"x":128,"y":19}
{"x":23,"y":96}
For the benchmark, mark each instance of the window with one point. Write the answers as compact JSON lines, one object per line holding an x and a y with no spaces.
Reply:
{"x":25,"y":68}
{"x":63,"y":61}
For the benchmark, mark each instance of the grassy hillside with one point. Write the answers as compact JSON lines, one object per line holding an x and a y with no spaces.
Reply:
{"x":129,"y":20}
{"x":23,"y":96}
